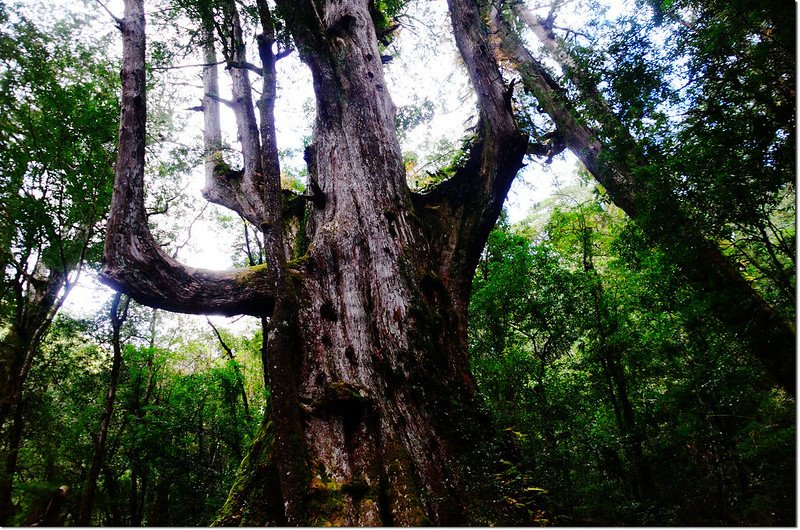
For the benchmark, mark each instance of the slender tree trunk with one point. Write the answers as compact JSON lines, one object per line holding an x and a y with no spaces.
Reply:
{"x":35,"y":311}
{"x":133,"y":496}
{"x":143,"y":492}
{"x":641,"y":481}
{"x":610,"y":359}
{"x":560,"y":459}
{"x":87,"y":501}
{"x":160,"y":511}
{"x":7,"y":508}
{"x":111,"y":485}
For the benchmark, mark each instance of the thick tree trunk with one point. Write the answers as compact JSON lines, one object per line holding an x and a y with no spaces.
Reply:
{"x":374,"y":416}
{"x":388,"y":408}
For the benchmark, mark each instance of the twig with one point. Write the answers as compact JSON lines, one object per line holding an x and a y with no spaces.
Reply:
{"x":197,"y":65}
{"x":222,"y":343}
{"x":189,"y":231}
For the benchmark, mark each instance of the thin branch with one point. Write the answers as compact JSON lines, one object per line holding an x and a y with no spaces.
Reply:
{"x":237,"y":371}
{"x":117,"y":20}
{"x":283,"y":53}
{"x":250,"y":258}
{"x":179,"y":66}
{"x":246,"y":66}
{"x":222,"y":342}
{"x":573,"y":31}
{"x":189,"y":231}
{"x":228,"y":102}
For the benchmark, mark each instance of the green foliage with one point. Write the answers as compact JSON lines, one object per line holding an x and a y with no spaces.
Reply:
{"x":383,"y":13}
{"x":410,"y":116}
{"x":179,"y":428}
{"x":573,"y":319}
{"x":703,"y":89}
{"x":58,"y":129}
{"x":447,"y":158}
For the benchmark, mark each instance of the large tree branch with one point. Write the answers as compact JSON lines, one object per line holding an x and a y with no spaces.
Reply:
{"x":223,"y":185}
{"x":469,"y":202}
{"x":133,"y":262}
{"x":270,"y":163}
{"x":240,"y":191}
{"x":500,"y":141}
{"x":580,"y":139}
{"x":484,"y":73}
{"x":555,"y":48}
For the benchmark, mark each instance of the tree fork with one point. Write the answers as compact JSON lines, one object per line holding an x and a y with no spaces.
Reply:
{"x":374,"y":414}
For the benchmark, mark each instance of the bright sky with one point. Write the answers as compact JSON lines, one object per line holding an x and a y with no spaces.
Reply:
{"x":426,"y":65}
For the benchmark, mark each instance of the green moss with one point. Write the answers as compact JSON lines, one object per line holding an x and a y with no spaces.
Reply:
{"x":220,"y":166}
{"x":344,"y":391}
{"x":254,"y":471}
{"x":299,"y":262}
{"x":327,"y":503}
{"x":301,"y":244}
{"x":250,"y":273}
{"x":329,"y":499}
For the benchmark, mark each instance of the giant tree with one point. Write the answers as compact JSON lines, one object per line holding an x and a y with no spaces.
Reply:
{"x":374,"y":417}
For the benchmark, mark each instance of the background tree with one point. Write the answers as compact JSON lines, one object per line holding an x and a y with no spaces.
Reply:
{"x":627,"y":139}
{"x":176,"y":434}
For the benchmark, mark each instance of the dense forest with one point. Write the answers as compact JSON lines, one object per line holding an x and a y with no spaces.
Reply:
{"x":394,"y":343}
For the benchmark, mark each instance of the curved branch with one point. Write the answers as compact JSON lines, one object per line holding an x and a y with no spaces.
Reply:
{"x":133,"y":262}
